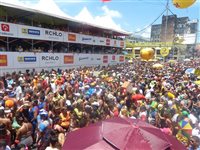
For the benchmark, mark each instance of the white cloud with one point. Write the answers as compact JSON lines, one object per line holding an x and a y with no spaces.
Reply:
{"x":49,"y":6}
{"x":112,"y":13}
{"x":105,"y":20}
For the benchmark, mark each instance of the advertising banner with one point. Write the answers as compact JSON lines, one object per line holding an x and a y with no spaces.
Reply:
{"x":85,"y":39}
{"x":72,"y":37}
{"x":68,"y":59}
{"x":50,"y":59}
{"x":121,"y":58}
{"x":101,"y":41}
{"x":107,"y":42}
{"x":25,"y":60}
{"x":8,"y":29}
{"x":29,"y":32}
{"x":122,"y":44}
{"x":53,"y":35}
{"x":105,"y":59}
{"x":114,"y":43}
{"x":3,"y":60}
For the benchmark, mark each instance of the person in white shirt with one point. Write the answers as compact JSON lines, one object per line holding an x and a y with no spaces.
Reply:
{"x":18,"y":91}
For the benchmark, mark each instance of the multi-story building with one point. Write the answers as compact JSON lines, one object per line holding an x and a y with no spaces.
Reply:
{"x":155,"y":33}
{"x":180,"y":30}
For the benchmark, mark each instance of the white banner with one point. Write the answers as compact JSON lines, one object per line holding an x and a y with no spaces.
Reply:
{"x":50,"y":59}
{"x":53,"y":35}
{"x":8,"y":29}
{"x":85,"y":39}
{"x":29,"y":32}
{"x":25,"y":60}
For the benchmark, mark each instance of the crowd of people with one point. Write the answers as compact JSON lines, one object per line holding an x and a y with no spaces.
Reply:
{"x":38,"y":109}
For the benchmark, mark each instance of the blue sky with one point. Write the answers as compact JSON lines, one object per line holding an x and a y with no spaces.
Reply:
{"x":129,"y":15}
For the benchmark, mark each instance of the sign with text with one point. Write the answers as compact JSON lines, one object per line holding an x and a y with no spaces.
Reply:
{"x":3,"y":60}
{"x":8,"y":29}
{"x":105,"y":59}
{"x":121,"y":58}
{"x":68,"y":59}
{"x":50,"y":59}
{"x":53,"y":35}
{"x":71,"y":37}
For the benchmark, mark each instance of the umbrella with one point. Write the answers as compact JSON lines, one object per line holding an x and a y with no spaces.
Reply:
{"x":186,"y":128}
{"x":190,"y":71}
{"x":157,"y":66}
{"x":120,"y":133}
{"x":197,"y":82}
{"x":137,"y":97}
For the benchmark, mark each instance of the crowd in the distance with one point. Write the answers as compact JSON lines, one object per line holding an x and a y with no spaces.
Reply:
{"x":37,"y":109}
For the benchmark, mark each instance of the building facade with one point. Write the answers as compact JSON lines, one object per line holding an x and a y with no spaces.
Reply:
{"x":178,"y":30}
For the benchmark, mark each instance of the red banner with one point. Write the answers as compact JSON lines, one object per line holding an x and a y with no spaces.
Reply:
{"x":105,"y":59}
{"x":68,"y":59}
{"x":121,"y":58}
{"x":3,"y":60}
{"x":72,"y":37}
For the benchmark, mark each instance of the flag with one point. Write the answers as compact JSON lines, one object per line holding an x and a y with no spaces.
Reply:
{"x":105,"y":1}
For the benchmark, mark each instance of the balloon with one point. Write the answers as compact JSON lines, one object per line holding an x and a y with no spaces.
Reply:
{"x":9,"y":103}
{"x":183,"y":3}
{"x":147,"y":53}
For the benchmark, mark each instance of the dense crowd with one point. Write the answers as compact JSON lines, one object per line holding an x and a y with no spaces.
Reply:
{"x":38,"y":109}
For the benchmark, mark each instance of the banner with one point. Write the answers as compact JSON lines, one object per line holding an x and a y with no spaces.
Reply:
{"x":68,"y":59}
{"x":50,"y":59}
{"x":53,"y":35}
{"x":25,"y":60}
{"x":121,"y":58}
{"x":8,"y":29}
{"x":28,"y":32}
{"x":72,"y":37}
{"x":105,"y":59}
{"x":3,"y":60}
{"x":107,"y":42}
{"x":86,"y":39}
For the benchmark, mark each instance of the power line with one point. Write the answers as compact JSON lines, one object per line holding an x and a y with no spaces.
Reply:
{"x":152,"y":22}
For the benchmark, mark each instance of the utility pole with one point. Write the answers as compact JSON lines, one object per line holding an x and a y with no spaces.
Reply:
{"x":166,"y":22}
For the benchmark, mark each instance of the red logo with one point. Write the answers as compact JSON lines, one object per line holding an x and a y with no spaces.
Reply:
{"x":5,"y":27}
{"x":107,"y":41}
{"x":68,"y":59}
{"x":121,"y":58}
{"x":3,"y":60}
{"x":113,"y":57}
{"x":122,"y":43}
{"x":105,"y":59}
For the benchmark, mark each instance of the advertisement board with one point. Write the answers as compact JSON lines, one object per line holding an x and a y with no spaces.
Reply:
{"x":105,"y":59}
{"x":53,"y":35}
{"x":121,"y":58}
{"x":50,"y":59}
{"x":3,"y":60}
{"x":29,"y":32}
{"x":72,"y":38}
{"x":68,"y":59}
{"x":25,"y":60}
{"x":86,"y":39}
{"x":8,"y":29}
